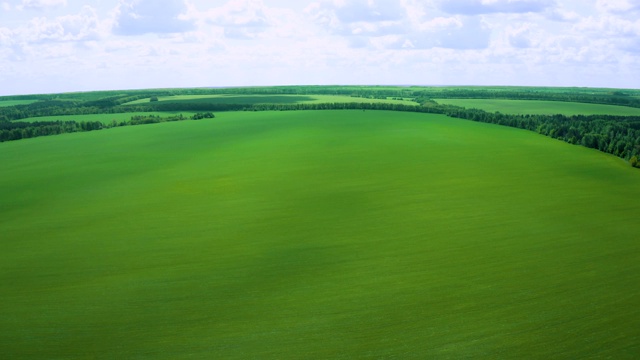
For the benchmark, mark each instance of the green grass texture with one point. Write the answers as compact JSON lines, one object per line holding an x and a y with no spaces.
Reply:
{"x":315,"y":235}
{"x":268,"y":99}
{"x":521,"y":107}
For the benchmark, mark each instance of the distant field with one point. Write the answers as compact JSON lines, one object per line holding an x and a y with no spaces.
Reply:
{"x":266,"y":99}
{"x":4,"y":103}
{"x":318,"y":235}
{"x":105,"y":118}
{"x":541,"y":107}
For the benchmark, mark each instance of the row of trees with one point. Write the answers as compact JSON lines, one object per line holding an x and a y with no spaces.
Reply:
{"x":154,"y":119}
{"x":24,"y":130}
{"x":16,"y":130}
{"x":617,"y":135}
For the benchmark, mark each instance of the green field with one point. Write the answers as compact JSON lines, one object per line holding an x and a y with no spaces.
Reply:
{"x":267,"y":99}
{"x":317,"y":234}
{"x":541,"y":107}
{"x":106,"y":118}
{"x":4,"y":103}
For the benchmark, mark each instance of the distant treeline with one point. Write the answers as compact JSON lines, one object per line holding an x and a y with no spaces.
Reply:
{"x":16,"y":130}
{"x":154,"y":119}
{"x":114,"y":101}
{"x":23,"y":130}
{"x":614,"y":98}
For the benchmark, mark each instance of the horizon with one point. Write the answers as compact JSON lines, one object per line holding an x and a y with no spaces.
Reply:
{"x":61,"y":46}
{"x":316,"y":85}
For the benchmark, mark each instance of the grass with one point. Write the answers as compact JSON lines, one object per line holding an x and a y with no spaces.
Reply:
{"x":5,"y":103}
{"x":267,"y":99}
{"x":105,"y":118}
{"x":541,"y":107}
{"x":331,"y":234}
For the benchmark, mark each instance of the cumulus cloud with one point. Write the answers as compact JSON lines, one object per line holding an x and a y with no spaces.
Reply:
{"x":559,"y":14}
{"x":609,"y":27}
{"x":241,"y":13}
{"x":619,"y":6}
{"x":359,"y":17}
{"x":252,"y":19}
{"x":5,"y":36}
{"x":472,"y":34}
{"x":476,"y":7}
{"x":138,"y":17}
{"x":630,"y":45}
{"x":83,"y":26}
{"x":520,"y":37}
{"x":618,"y":32}
{"x":40,"y":4}
{"x":240,"y":19}
{"x":398,"y":25}
{"x":368,"y":10}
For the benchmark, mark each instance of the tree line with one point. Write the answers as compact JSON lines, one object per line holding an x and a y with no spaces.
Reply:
{"x":616,"y":135}
{"x":16,"y":130}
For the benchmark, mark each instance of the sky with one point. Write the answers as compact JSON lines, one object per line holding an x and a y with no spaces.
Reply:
{"x":49,"y":46}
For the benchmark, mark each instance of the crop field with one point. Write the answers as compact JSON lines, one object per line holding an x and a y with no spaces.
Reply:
{"x":267,"y":99}
{"x":105,"y":118}
{"x":317,"y":234}
{"x":4,"y":103}
{"x":541,"y":107}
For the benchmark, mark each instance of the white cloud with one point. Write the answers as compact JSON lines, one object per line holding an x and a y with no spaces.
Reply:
{"x":624,"y":34}
{"x":473,"y":34}
{"x":406,"y":27}
{"x":520,"y":37}
{"x":40,"y":4}
{"x":475,"y":7}
{"x":612,"y":27}
{"x":79,"y":27}
{"x":618,"y":6}
{"x":241,"y":13}
{"x":239,"y":19}
{"x":367,"y":10}
{"x":82,"y":26}
{"x":138,"y":17}
{"x":357,"y":17}
{"x":559,"y":14}
{"x":251,"y":19}
{"x":5,"y":37}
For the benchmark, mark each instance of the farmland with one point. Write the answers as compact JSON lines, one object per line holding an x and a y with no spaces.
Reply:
{"x":317,"y":234}
{"x":267,"y":99}
{"x":521,"y":107}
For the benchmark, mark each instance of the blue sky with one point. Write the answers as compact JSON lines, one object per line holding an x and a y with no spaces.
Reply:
{"x":66,"y":45}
